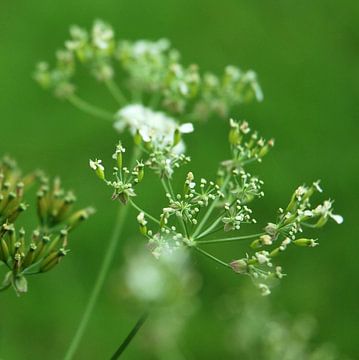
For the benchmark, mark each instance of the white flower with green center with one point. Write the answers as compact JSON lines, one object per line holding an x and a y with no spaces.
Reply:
{"x":152,"y":126}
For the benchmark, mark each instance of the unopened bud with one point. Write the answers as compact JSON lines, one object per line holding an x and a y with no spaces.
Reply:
{"x":305,"y":242}
{"x":99,"y":168}
{"x":239,"y":266}
{"x":176,"y":137}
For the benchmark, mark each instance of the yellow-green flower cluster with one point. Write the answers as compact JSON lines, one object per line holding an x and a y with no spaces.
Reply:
{"x":44,"y":247}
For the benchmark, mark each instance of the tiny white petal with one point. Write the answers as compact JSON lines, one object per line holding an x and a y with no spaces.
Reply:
{"x":186,"y":128}
{"x":337,"y":218}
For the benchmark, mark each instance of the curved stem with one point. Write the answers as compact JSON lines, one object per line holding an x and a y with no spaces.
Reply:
{"x":3,"y":288}
{"x":205,"y":253}
{"x":110,"y":252}
{"x":104,"y":268}
{"x":89,"y":108}
{"x":129,"y":337}
{"x":115,"y":92}
{"x":141,"y":210}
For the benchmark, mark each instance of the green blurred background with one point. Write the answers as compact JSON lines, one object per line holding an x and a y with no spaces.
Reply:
{"x":306,"y":54}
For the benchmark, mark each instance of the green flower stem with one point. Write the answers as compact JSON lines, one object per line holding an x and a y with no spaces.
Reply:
{"x":116,"y":92}
{"x":163,"y":182}
{"x":3,"y":288}
{"x":224,"y":240}
{"x":210,"y":209}
{"x":105,"y":266}
{"x":109,"y":254}
{"x":205,"y":253}
{"x":141,"y":210}
{"x":129,"y":337}
{"x":211,"y":229}
{"x":89,"y":108}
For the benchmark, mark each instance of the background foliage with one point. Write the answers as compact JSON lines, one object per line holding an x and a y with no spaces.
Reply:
{"x":306,"y":55}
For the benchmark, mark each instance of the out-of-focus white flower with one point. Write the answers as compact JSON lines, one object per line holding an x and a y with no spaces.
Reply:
{"x":143,"y":47}
{"x":150,"y":279}
{"x":102,"y":35}
{"x":152,"y":125}
{"x":264,"y":289}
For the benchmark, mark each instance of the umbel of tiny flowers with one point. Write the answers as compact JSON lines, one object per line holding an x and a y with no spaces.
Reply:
{"x":198,"y":214}
{"x":40,"y":252}
{"x":144,"y":72}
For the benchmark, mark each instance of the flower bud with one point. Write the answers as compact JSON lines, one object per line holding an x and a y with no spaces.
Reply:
{"x":142,"y":222}
{"x":305,"y":242}
{"x":140,"y":171}
{"x":20,"y":284}
{"x":79,"y":217}
{"x":29,"y":258}
{"x":51,"y":260}
{"x":137,"y":139}
{"x":176,"y":137}
{"x":4,"y":253}
{"x":239,"y":266}
{"x":99,"y":168}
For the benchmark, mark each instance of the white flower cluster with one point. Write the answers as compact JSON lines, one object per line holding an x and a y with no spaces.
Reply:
{"x":150,"y":71}
{"x":152,"y":126}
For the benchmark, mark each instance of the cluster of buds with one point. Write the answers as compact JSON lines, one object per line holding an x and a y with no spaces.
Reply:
{"x":300,"y":213}
{"x":246,"y":146}
{"x":125,"y":179}
{"x":95,"y":50}
{"x":146,"y":62}
{"x":47,"y":244}
{"x":242,"y":186}
{"x":188,"y":205}
{"x":152,"y":73}
{"x":285,"y":232}
{"x":164,"y":161}
{"x":54,"y":207}
{"x":221,"y":94}
{"x":12,"y":188}
{"x":236,"y":215}
{"x":165,"y":241}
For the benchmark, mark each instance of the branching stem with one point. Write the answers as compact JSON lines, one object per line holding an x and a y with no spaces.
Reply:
{"x":89,"y":108}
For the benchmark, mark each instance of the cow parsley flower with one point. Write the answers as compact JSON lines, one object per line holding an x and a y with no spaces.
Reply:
{"x":152,"y":126}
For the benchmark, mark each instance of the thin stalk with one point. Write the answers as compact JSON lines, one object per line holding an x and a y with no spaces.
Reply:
{"x":141,"y":210}
{"x":116,"y":92}
{"x":210,"y":209}
{"x":184,"y":227}
{"x":3,"y":288}
{"x":163,"y":182}
{"x":205,"y":253}
{"x":225,"y":240}
{"x":201,"y":236}
{"x":109,"y":254}
{"x":89,"y":108}
{"x":129,"y":337}
{"x":101,"y":277}
{"x":211,"y":228}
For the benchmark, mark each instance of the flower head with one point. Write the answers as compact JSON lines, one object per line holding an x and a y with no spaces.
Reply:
{"x":153,"y":126}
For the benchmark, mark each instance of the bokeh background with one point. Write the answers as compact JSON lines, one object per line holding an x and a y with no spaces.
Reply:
{"x":307,"y":56}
